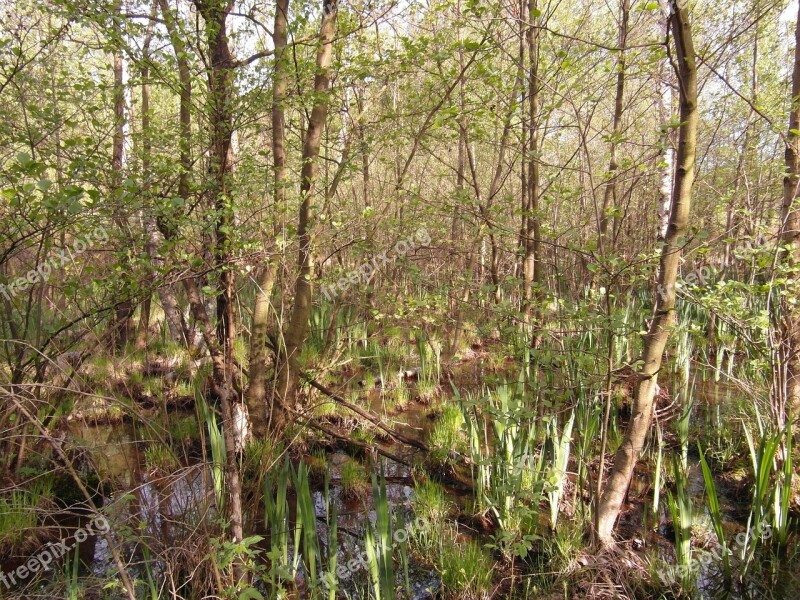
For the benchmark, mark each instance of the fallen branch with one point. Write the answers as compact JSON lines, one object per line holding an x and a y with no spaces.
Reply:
{"x":362,"y":445}
{"x":404,"y":439}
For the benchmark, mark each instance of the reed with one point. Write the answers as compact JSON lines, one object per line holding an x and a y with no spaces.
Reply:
{"x":467,"y":571}
{"x":378,"y":540}
{"x":680,"y":507}
{"x":715,"y":512}
{"x":217,"y":442}
{"x":763,"y":461}
{"x":276,"y":521}
{"x":781,"y":523}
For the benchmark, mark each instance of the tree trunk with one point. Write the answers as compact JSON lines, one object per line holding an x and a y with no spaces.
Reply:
{"x":221,"y":387}
{"x":178,"y":328}
{"x":610,"y":191}
{"x":609,"y":197}
{"x":532,"y":270}
{"x":665,"y":116}
{"x":664,"y":317}
{"x":220,"y":89}
{"x":790,"y":238}
{"x":256,"y":396}
{"x":124,"y":327}
{"x":144,"y":315}
{"x":220,"y":165}
{"x":288,"y":375}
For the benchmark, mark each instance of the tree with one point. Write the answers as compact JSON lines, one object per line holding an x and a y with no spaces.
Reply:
{"x":256,"y":395}
{"x":664,"y":314}
{"x":789,"y":348}
{"x":288,"y":378}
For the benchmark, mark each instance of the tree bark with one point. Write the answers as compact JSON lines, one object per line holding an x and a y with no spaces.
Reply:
{"x":610,"y":191}
{"x":220,"y":165}
{"x":288,"y":375}
{"x":144,"y":316}
{"x":532,"y":269}
{"x":664,"y":317}
{"x":256,"y":395}
{"x":790,"y":239}
{"x":220,"y":342}
{"x":124,"y":327}
{"x":665,"y":116}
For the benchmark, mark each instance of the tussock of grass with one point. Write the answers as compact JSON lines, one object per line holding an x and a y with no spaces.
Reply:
{"x":446,"y":434}
{"x":158,"y":457}
{"x":467,"y":571}
{"x":430,"y":502}
{"x":354,"y":479}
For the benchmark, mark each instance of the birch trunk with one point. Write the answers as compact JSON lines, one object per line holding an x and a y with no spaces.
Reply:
{"x":665,"y":116}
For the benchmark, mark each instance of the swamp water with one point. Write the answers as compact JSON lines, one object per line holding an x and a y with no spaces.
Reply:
{"x":160,"y":507}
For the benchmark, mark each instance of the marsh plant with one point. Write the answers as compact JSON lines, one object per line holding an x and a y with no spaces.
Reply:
{"x":680,"y":508}
{"x":510,"y":473}
{"x":160,"y":458}
{"x":300,"y":548}
{"x":354,"y":479}
{"x":18,"y":516}
{"x":447,"y":437}
{"x":467,"y":571}
{"x":430,"y":502}
{"x":380,"y":543}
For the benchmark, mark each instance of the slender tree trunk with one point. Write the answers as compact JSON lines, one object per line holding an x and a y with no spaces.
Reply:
{"x":523,"y":171}
{"x":455,"y":235}
{"x":144,"y":316}
{"x":610,"y":191}
{"x":178,"y":328}
{"x":609,"y":197}
{"x":124,"y":326}
{"x":256,"y":395}
{"x":288,"y":376}
{"x":664,"y":317}
{"x":790,"y":238}
{"x":220,"y":342}
{"x":222,"y":388}
{"x":532,"y":271}
{"x":220,"y":165}
{"x":361,"y":130}
{"x":665,"y":116}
